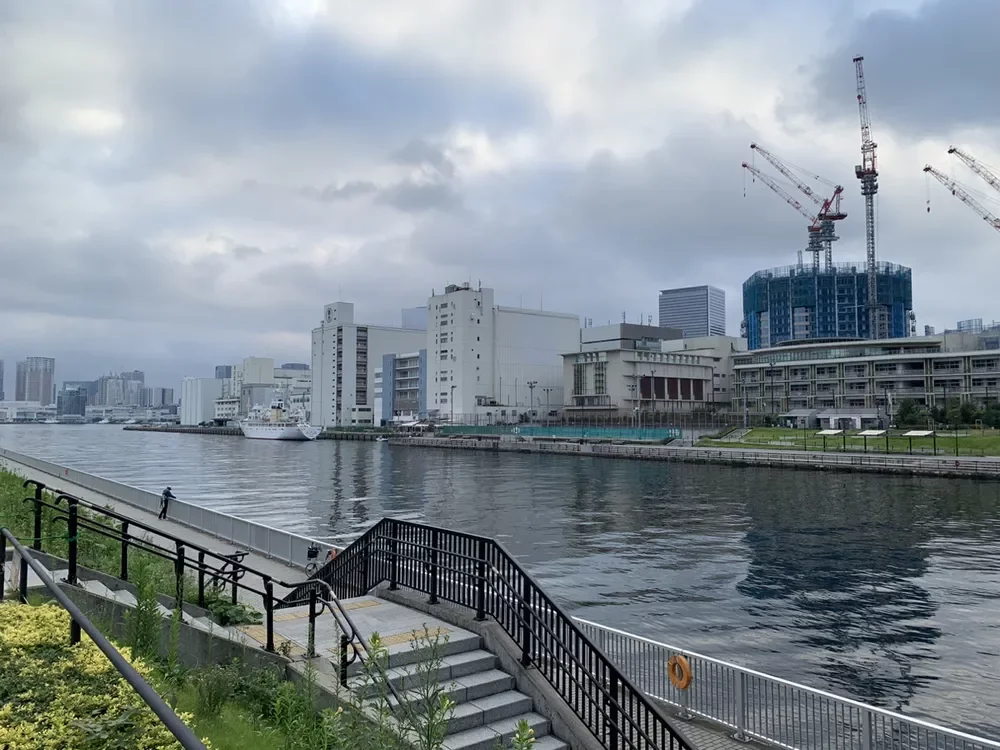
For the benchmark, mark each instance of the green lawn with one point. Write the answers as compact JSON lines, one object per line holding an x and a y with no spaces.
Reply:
{"x":969,"y":442}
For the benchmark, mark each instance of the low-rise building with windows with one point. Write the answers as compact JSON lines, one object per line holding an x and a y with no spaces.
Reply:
{"x":862,"y":381}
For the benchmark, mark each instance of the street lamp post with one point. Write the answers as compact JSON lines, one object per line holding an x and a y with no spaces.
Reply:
{"x":770,"y":375}
{"x":631,"y":398}
{"x":531,"y":396}
{"x":547,"y":391}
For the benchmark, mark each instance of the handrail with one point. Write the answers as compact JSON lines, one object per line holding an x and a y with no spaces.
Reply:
{"x":607,"y":701}
{"x":763,"y":676}
{"x":181,"y":731}
{"x":350,"y":634}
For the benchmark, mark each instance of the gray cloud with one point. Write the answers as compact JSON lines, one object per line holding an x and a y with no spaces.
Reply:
{"x":420,"y":152}
{"x":928,"y":71}
{"x":415,"y":197}
{"x":342,"y":192}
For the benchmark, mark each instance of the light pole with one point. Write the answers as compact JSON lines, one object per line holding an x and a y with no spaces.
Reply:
{"x":547,"y":391}
{"x":453,"y":387}
{"x":770,"y":375}
{"x":631,"y":398}
{"x":531,"y":396}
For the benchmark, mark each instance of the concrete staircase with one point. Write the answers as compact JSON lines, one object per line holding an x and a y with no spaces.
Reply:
{"x":488,"y":707}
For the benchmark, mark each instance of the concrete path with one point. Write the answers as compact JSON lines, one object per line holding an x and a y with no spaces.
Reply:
{"x":277,"y":569}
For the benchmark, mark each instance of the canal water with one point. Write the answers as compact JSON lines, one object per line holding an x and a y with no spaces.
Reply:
{"x":881,"y":588}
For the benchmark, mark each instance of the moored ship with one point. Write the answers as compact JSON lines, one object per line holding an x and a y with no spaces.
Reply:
{"x":275,"y":424}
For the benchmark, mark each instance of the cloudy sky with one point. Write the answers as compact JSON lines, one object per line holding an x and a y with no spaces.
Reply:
{"x":188,"y":182}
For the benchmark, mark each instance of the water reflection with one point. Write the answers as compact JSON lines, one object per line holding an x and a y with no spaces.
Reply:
{"x":879,"y":587}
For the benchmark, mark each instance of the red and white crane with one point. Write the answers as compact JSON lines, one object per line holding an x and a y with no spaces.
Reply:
{"x":867,"y":172}
{"x":829,"y":208}
{"x":964,"y":196}
{"x":815,"y":227}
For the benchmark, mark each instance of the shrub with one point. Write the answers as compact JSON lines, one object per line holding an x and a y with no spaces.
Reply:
{"x":55,"y":696}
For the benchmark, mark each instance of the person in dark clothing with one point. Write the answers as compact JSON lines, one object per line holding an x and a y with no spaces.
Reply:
{"x":165,"y":497}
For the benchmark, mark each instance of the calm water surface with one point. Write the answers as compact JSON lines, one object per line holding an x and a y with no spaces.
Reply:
{"x":882,"y":588}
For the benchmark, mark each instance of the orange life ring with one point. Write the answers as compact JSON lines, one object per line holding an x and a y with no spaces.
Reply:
{"x":680,"y":671}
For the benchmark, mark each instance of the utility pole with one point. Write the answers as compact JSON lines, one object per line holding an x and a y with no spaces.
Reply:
{"x":531,"y":395}
{"x":867,"y":172}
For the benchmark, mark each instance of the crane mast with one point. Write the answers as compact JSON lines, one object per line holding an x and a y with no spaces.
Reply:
{"x":991,"y":179}
{"x":963,"y":196}
{"x":867,"y":172}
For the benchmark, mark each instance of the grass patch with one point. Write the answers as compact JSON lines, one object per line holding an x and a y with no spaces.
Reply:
{"x":973,"y":443}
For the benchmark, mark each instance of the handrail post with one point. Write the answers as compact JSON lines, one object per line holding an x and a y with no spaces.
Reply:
{"x":611,"y":706}
{"x":343,"y":659}
{"x":741,"y":707}
{"x":866,"y":730}
{"x":481,"y":582}
{"x":73,"y":547}
{"x":311,"y":646}
{"x":434,"y":568}
{"x":22,"y":584}
{"x":123,"y":573}
{"x":525,"y":621}
{"x":394,"y":558}
{"x":36,"y":543}
{"x":201,"y":579}
{"x":3,"y":565}
{"x":179,"y":573}
{"x":269,"y":613}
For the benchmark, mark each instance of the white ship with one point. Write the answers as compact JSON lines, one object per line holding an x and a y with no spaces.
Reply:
{"x":275,"y":424}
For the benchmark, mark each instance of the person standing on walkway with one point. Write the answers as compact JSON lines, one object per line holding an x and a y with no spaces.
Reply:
{"x":165,"y":497}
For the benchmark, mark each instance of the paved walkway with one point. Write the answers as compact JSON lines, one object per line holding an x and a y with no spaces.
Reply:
{"x":277,"y":569}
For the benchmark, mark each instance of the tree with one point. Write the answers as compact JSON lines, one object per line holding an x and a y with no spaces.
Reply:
{"x":910,"y":413}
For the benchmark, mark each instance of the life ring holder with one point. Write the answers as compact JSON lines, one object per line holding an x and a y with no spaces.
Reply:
{"x":679,"y":671}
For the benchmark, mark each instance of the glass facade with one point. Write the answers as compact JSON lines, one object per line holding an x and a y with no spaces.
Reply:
{"x":695,"y":310}
{"x":797,"y":303}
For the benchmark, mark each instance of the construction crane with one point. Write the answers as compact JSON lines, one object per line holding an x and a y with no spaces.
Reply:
{"x":815,"y":227}
{"x":992,"y":180}
{"x":963,"y":196}
{"x":867,"y":172}
{"x":829,"y":210}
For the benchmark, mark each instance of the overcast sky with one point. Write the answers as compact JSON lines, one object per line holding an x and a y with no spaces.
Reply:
{"x":188,"y":182}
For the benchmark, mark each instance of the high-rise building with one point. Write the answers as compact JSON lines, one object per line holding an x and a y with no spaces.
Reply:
{"x":345,"y":355}
{"x":36,"y":380}
{"x":121,"y":389}
{"x":223,"y":372}
{"x":798,"y":303}
{"x":72,"y":402}
{"x":198,"y":397}
{"x":481,"y":356}
{"x":695,"y":310}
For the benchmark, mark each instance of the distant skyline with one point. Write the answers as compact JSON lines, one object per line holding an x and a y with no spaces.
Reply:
{"x":183,"y":184}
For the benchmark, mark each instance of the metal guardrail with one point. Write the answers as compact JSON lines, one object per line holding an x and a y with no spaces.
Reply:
{"x":78,"y":621}
{"x":973,"y":467}
{"x":281,"y":545}
{"x":757,"y":706}
{"x":477,"y":573}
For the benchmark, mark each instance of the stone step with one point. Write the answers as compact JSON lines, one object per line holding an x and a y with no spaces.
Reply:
{"x":489,"y":735}
{"x":450,"y":668}
{"x":403,"y":654}
{"x":97,"y":588}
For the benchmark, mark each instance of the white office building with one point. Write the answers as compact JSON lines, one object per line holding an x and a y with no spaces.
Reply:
{"x":489,"y":361}
{"x":345,"y":355}
{"x":198,"y":397}
{"x":624,"y":369}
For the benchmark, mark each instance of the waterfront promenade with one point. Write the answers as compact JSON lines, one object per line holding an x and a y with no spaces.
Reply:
{"x":980,"y":468}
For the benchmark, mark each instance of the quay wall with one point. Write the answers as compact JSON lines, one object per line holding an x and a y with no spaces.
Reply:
{"x":235,"y":431}
{"x":980,"y":468}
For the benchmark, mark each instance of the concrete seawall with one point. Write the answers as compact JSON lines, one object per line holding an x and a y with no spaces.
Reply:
{"x":235,"y":431}
{"x":980,"y":468}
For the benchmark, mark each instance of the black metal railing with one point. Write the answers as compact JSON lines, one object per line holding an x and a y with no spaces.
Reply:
{"x":479,"y":574}
{"x":212,"y":569}
{"x":79,"y":622}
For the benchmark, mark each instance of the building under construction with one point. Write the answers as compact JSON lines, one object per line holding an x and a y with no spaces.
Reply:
{"x":803,"y":303}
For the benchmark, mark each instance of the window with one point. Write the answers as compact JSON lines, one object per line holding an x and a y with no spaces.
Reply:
{"x":600,"y":378}
{"x":579,"y":379}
